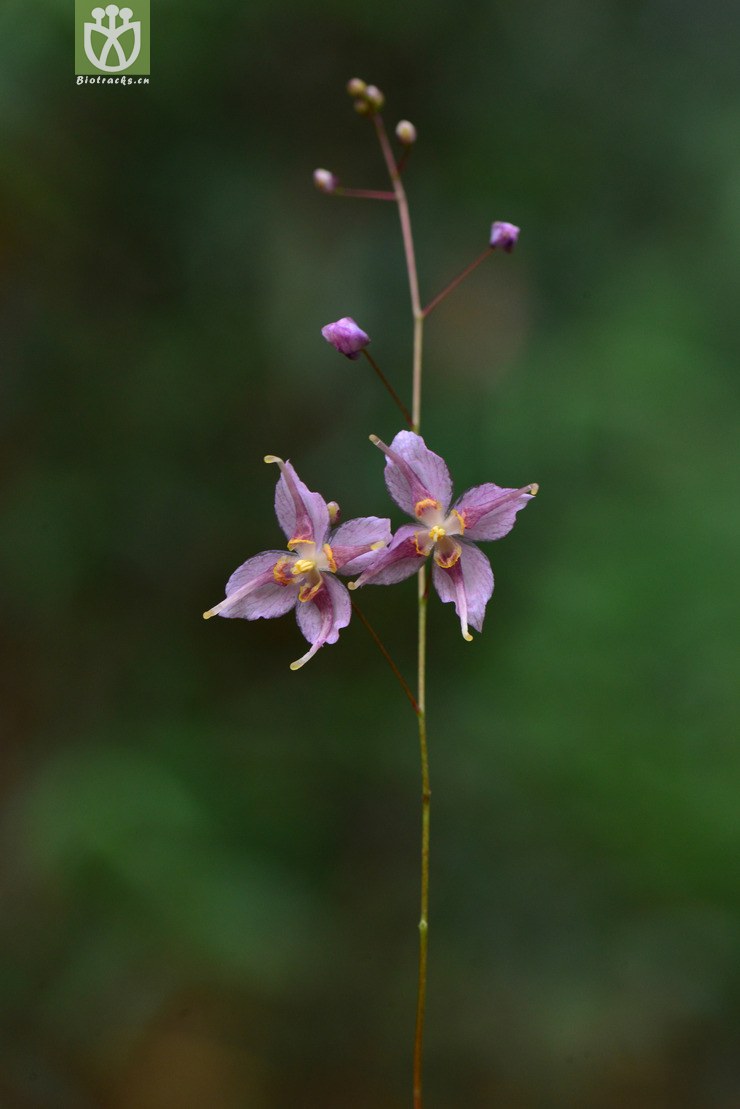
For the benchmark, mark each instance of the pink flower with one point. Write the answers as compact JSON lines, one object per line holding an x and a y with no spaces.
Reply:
{"x":419,"y":482}
{"x":346,"y":336}
{"x":274,"y":582}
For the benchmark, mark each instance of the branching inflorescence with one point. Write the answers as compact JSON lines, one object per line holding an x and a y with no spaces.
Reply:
{"x":304,"y":577}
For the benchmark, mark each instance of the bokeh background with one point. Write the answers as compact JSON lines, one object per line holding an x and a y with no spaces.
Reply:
{"x":210,"y":864}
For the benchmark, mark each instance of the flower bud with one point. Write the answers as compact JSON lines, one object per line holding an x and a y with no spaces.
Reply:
{"x":325,"y":181}
{"x":335,"y":513}
{"x":356,"y":87}
{"x":406,"y":132}
{"x":504,"y":235}
{"x":346,"y":336}
{"x":362,"y":107}
{"x":374,"y":97}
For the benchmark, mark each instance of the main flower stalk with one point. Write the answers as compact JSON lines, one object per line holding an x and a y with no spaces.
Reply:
{"x":426,"y":793}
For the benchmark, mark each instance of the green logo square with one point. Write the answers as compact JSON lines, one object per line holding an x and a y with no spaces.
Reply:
{"x":112,"y":40}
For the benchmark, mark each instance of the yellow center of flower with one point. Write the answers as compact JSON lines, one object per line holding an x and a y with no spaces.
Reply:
{"x":303,"y":566}
{"x":436,"y":533}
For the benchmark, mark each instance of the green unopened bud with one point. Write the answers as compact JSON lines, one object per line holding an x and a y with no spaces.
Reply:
{"x":374,"y":97}
{"x":362,"y":107}
{"x":406,"y":132}
{"x":356,"y":87}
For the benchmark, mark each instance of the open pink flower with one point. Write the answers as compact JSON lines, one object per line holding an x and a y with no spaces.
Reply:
{"x":274,"y":582}
{"x":420,"y":484}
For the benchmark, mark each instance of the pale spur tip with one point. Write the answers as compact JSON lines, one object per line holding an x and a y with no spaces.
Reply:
{"x":299,"y":662}
{"x":374,"y":439}
{"x":352,"y":585}
{"x":209,"y":614}
{"x":467,"y":637}
{"x":534,"y":489}
{"x":273,"y":458}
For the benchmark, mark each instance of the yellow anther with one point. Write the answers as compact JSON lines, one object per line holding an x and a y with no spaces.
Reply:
{"x":296,"y":542}
{"x":461,"y":518}
{"x":437,"y":533}
{"x":303,"y":566}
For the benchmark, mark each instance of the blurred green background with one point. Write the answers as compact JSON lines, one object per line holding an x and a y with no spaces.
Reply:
{"x":210,"y":864}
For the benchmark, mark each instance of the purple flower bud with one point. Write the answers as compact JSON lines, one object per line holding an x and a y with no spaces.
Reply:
{"x":356,"y":87}
{"x":346,"y":337}
{"x":325,"y":181}
{"x":406,"y":132}
{"x":504,"y":235}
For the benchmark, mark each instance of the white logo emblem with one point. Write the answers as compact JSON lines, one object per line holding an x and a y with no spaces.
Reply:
{"x":106,"y":37}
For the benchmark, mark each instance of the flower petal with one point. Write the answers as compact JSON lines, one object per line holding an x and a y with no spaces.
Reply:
{"x":321,"y":618}
{"x":489,"y":512}
{"x":302,"y":514}
{"x":396,"y":563}
{"x":414,"y":474}
{"x":253,"y":592}
{"x":468,"y":584}
{"x":356,"y":542}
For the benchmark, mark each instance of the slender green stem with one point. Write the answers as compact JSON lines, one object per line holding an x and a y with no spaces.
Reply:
{"x":389,"y":387}
{"x":418,"y":318}
{"x":456,"y":281}
{"x":386,"y":654}
{"x":426,"y":795}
